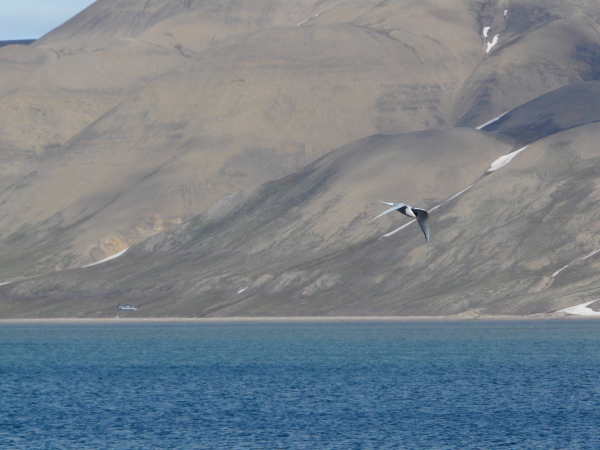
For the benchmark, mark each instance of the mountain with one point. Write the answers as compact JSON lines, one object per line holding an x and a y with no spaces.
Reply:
{"x":542,"y":45}
{"x":292,"y":222}
{"x":17,"y":42}
{"x":239,"y":148}
{"x":568,"y":107}
{"x":245,"y":110}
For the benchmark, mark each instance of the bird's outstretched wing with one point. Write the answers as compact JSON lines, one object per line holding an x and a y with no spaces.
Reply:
{"x":394,"y":207}
{"x":387,"y":211}
{"x":423,"y":219}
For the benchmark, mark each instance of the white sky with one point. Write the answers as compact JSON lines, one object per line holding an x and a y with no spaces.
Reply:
{"x":31,"y":19}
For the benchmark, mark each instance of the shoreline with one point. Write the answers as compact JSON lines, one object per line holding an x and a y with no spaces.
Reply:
{"x":297,"y":319}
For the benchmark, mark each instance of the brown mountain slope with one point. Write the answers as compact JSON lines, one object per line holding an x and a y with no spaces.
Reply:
{"x":72,"y":76}
{"x":244,"y":111}
{"x":46,"y":97}
{"x":541,"y":46}
{"x":142,"y":122}
{"x":568,"y":107}
{"x":189,"y":24}
{"x":241,"y":106}
{"x":522,"y":240}
{"x":197,"y":268}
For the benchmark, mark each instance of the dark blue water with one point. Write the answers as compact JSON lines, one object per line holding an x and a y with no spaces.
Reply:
{"x":453,"y":385}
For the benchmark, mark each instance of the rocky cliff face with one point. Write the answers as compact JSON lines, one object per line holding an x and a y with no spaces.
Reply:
{"x":241,"y":146}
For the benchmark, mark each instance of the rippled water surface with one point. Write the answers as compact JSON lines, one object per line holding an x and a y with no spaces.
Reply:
{"x":419,"y":385}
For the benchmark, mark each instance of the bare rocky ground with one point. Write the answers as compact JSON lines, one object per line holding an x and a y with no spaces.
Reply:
{"x":239,"y":148}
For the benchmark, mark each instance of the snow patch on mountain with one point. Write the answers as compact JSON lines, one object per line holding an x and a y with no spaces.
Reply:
{"x":116,"y":255}
{"x":581,"y":310}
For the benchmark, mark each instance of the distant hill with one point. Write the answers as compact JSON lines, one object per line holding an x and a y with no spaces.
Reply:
{"x":17,"y":42}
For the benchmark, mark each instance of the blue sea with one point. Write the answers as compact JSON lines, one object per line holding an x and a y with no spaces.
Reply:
{"x":359,"y":385}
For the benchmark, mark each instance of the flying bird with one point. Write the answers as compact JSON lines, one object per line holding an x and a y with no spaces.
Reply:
{"x":421,"y":215}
